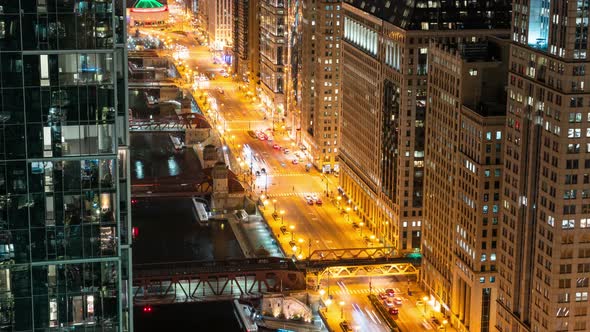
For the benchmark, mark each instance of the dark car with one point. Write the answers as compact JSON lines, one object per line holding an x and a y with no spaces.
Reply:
{"x":390,"y":292}
{"x":394,"y":311}
{"x":345,"y":326}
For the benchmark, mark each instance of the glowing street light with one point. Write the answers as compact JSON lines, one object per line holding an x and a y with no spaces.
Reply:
{"x":274,"y":203}
{"x":425,"y":300}
{"x":444,"y":323}
{"x":361,"y":224}
{"x":292,"y":228}
{"x":282,"y":213}
{"x":342,"y":303}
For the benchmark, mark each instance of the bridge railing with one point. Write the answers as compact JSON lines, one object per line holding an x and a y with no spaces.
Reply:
{"x":360,"y":253}
{"x":198,"y":267}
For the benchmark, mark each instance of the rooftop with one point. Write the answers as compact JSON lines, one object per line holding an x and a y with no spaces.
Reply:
{"x":147,"y":4}
{"x":439,"y":14}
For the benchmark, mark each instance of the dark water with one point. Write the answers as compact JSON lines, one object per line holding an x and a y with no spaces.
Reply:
{"x":194,"y":317}
{"x":153,"y":159}
{"x":168,"y":232}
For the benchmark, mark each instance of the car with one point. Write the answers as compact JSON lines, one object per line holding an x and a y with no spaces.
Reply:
{"x":276,"y":146}
{"x":310,"y":202}
{"x":394,"y":311}
{"x":307,"y":197}
{"x":382,"y":296}
{"x":314,"y":196}
{"x":355,"y":225}
{"x":226,"y":75}
{"x":286,"y":151}
{"x":318,"y":202}
{"x":390,"y":292}
{"x":345,"y":326}
{"x":419,"y":303}
{"x":220,"y":90}
{"x":284,"y":229}
{"x":388,"y":302}
{"x":257,"y":173}
{"x":398,"y":300}
{"x":295,"y":161}
{"x":263,"y":170}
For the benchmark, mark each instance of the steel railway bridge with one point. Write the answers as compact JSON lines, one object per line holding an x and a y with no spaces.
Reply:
{"x":202,"y":281}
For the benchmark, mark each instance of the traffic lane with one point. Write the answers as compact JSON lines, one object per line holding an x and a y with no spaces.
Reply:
{"x":347,"y":234}
{"x":408,"y":317}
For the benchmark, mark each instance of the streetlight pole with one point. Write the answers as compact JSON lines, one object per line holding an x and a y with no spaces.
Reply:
{"x":274,"y":203}
{"x":292,"y":228}
{"x":361,"y":224}
{"x":342,"y":303}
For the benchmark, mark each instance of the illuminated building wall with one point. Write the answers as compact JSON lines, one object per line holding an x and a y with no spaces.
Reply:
{"x":321,"y":92}
{"x":544,"y":263}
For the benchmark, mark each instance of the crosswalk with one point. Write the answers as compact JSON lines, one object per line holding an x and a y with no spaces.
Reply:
{"x":289,"y":194}
{"x":375,"y":291}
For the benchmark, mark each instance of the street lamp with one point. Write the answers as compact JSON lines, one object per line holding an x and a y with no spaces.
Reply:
{"x":265,"y":203}
{"x":444,"y":323}
{"x":274,"y":204}
{"x":425,"y":300}
{"x":361,"y":224}
{"x":328,"y":303}
{"x":282,"y":213}
{"x":342,"y":303}
{"x":348,"y":213}
{"x":338,"y":199}
{"x":292,"y":228}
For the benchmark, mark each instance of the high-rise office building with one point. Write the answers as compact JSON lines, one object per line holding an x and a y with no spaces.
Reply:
{"x":246,"y":39}
{"x":320,"y":81}
{"x":273,"y":58}
{"x":64,"y":220}
{"x":219,"y":22}
{"x":384,"y":82}
{"x":544,"y":263}
{"x":465,"y":116}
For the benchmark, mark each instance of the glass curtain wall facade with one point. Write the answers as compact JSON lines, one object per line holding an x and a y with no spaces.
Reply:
{"x":64,"y":239}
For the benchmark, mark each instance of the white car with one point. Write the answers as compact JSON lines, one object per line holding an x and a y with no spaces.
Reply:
{"x":308,"y":197}
{"x":314,"y":197}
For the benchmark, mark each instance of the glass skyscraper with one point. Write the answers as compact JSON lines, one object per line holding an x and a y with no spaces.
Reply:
{"x":64,"y":217}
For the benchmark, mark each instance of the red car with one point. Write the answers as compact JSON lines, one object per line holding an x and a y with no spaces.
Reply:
{"x":393,"y":311}
{"x":390,"y":292}
{"x":318,"y":202}
{"x":310,"y":202}
{"x":382,"y":296}
{"x":276,"y":147}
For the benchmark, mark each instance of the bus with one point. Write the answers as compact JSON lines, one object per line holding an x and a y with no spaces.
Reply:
{"x":202,"y":216}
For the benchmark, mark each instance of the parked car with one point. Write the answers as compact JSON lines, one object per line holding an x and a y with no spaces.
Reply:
{"x":390,"y":292}
{"x":388,"y":302}
{"x":310,"y":202}
{"x":394,"y":311}
{"x":295,"y":161}
{"x":276,"y":147}
{"x":398,"y":300}
{"x":318,"y":202}
{"x":382,"y":296}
